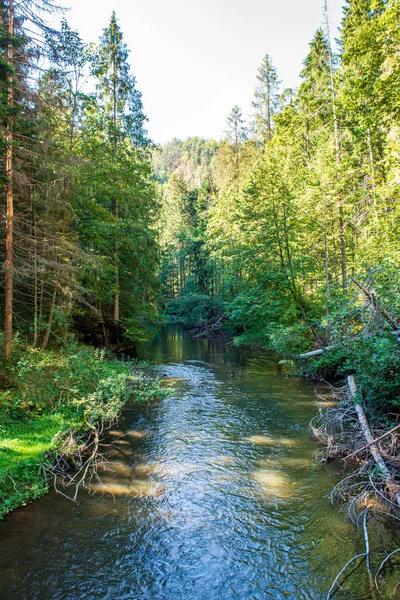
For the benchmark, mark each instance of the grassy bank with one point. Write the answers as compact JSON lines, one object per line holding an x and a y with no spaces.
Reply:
{"x":44,"y":394}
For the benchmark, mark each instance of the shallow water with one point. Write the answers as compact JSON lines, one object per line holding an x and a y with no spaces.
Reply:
{"x":210,"y":494}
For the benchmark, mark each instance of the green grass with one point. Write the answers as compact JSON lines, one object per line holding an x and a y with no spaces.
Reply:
{"x":27,"y":442}
{"x":45,"y":393}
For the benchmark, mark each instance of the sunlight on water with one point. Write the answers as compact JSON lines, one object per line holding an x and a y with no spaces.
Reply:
{"x":267,"y":440}
{"x":274,"y":484}
{"x":137,"y":434}
{"x":136,"y":487}
{"x":286,"y":462}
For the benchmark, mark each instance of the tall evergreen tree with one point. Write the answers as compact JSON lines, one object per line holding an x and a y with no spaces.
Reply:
{"x":266,"y":100}
{"x":122,"y":110}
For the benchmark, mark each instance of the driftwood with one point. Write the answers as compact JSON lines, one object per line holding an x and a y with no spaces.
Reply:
{"x":316,"y":352}
{"x":369,"y":438}
{"x":370,"y":491}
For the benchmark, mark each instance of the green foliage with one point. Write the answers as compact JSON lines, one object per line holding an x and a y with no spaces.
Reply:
{"x":192,"y":309}
{"x":85,"y":231}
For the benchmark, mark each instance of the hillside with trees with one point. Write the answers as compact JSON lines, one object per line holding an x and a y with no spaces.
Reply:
{"x":78,"y":184}
{"x":290,"y":239}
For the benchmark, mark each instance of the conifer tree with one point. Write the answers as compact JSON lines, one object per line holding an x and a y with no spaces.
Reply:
{"x":266,"y":100}
{"x":19,"y":46}
{"x":122,"y":109}
{"x":236,"y":133}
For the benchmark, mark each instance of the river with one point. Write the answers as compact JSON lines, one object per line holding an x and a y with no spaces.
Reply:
{"x":210,"y":494}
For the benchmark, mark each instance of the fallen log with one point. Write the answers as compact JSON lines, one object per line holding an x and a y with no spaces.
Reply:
{"x":376,"y":455}
{"x":316,"y":352}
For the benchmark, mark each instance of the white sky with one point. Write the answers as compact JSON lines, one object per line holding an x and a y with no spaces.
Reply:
{"x":194,"y":59}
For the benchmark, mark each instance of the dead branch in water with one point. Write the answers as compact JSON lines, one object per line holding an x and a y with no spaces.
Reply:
{"x":387,"y":475}
{"x":209,"y":327}
{"x":372,"y":490}
{"x":388,"y":557}
{"x":76,"y":461}
{"x":378,"y":439}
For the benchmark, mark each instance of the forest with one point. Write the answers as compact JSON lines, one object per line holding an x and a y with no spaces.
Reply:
{"x":284,"y":233}
{"x":281,"y":236}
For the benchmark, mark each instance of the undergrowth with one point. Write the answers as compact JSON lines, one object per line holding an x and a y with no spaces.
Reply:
{"x":45,"y":393}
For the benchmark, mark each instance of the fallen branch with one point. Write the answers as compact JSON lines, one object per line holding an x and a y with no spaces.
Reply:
{"x":370,"y":440}
{"x":383,"y":564}
{"x":374,"y":441}
{"x":209,"y":326}
{"x":316,"y":352}
{"x":372,"y":298}
{"x":332,"y":588}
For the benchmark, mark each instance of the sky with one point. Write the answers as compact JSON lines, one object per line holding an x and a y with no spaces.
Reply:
{"x":195,"y":59}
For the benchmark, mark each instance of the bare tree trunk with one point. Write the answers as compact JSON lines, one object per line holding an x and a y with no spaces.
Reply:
{"x":9,"y":193}
{"x":116,"y":263}
{"x":342,"y":247}
{"x":116,"y":206}
{"x":51,"y":316}
{"x":35,"y":285}
{"x":41,"y":302}
{"x":181,"y":273}
{"x":326,"y":260}
{"x":342,"y":241}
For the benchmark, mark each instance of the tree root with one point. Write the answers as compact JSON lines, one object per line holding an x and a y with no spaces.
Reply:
{"x":76,"y":461}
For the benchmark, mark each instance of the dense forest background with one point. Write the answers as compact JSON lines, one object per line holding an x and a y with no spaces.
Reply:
{"x":285,"y":233}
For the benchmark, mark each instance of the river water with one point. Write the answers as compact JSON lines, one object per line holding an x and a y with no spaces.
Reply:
{"x":210,"y":494}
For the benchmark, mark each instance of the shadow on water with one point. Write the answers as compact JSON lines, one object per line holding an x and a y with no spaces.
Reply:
{"x":209,"y":494}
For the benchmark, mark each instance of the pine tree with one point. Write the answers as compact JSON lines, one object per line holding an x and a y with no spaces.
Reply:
{"x":117,"y":87}
{"x":236,"y":133}
{"x":266,"y":100}
{"x":122,"y":109}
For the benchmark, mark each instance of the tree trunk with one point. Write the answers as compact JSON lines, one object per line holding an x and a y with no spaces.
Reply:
{"x":35,"y":284}
{"x":342,"y":241}
{"x":326,"y":261}
{"x":9,"y":192}
{"x":376,"y":455}
{"x":51,"y":316}
{"x":116,"y":206}
{"x":116,"y":263}
{"x":342,"y":247}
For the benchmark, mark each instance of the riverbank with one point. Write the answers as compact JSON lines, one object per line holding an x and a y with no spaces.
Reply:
{"x":47,"y":395}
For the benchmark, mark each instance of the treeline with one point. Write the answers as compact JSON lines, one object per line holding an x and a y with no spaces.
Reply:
{"x":81,"y":209}
{"x":292,"y":234}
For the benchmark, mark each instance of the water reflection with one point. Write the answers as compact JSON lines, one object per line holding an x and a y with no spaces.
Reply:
{"x":208,"y":495}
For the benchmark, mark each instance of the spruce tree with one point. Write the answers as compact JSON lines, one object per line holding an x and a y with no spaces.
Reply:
{"x":123,"y":112}
{"x":266,"y":100}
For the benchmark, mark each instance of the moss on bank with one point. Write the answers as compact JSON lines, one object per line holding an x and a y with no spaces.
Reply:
{"x":44,"y":393}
